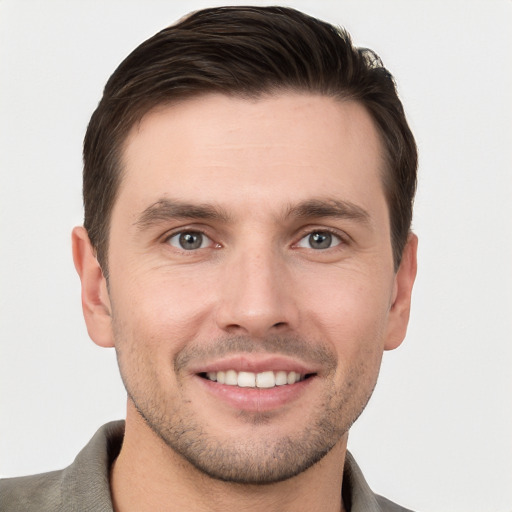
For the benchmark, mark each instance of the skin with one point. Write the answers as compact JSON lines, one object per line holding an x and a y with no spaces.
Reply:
{"x":259,"y":292}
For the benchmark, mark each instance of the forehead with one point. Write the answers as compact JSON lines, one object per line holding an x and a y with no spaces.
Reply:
{"x":237,"y":151}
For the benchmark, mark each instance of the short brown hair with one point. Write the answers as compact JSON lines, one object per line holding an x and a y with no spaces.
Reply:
{"x":245,"y":51}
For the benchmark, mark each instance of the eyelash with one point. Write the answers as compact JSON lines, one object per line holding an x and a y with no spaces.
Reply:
{"x":306,"y":232}
{"x":169,"y":236}
{"x":342,"y":237}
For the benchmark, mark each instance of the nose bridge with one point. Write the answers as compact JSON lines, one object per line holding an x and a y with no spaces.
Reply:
{"x":256,"y":293}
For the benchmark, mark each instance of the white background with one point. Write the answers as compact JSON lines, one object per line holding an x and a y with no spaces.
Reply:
{"x":437,"y":435}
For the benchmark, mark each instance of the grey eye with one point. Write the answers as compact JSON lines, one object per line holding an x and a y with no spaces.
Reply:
{"x":189,"y":240}
{"x":319,"y":240}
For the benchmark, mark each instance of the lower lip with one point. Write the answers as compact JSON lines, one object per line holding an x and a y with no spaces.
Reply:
{"x":257,"y":399}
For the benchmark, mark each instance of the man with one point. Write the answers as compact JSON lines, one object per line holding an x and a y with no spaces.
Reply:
{"x":248,"y":186}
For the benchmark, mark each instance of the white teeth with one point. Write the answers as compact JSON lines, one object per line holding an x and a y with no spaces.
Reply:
{"x":281,"y":378}
{"x":246,"y":379}
{"x":231,"y":378}
{"x":266,"y":379}
{"x":291,"y":378}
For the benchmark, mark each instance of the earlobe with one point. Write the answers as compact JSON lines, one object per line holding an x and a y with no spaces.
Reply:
{"x":401,"y":306}
{"x":95,"y":299}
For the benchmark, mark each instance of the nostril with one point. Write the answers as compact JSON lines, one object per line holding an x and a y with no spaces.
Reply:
{"x":279,"y":324}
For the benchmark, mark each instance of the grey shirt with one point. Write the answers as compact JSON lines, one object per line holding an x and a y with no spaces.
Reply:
{"x":84,"y":485}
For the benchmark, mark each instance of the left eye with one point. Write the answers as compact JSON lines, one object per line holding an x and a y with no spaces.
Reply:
{"x":319,"y":240}
{"x":189,"y":240}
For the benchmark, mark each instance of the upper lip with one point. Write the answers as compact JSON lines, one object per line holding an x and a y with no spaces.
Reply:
{"x":254,"y":363}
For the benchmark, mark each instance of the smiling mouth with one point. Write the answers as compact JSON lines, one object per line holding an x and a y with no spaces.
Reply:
{"x":262,"y":380}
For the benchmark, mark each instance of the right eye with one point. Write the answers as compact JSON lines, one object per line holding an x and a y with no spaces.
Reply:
{"x":319,"y":240}
{"x":190,"y":240}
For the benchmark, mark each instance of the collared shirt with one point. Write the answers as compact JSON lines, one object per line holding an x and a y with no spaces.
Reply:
{"x":84,"y":485}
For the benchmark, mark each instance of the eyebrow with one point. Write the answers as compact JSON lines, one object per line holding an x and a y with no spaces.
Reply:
{"x":319,"y":208}
{"x":165,"y":209}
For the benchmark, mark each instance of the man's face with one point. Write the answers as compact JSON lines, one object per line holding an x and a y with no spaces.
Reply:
{"x":251,"y":278}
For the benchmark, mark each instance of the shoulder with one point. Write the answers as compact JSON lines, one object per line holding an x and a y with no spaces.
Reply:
{"x":357,"y":494}
{"x":31,"y":493}
{"x":84,"y":485}
{"x":388,"y":506}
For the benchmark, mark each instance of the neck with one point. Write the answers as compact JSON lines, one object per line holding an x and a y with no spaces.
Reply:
{"x":156,"y":478}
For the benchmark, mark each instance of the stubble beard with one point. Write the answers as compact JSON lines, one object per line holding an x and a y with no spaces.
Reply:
{"x":260,"y":459}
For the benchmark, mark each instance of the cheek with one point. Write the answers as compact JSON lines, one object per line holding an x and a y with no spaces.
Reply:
{"x":349,"y":303}
{"x":351,"y":314}
{"x":160,"y":310}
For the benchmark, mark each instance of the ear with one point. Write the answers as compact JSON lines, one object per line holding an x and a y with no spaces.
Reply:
{"x":401,"y":300}
{"x":95,"y":299}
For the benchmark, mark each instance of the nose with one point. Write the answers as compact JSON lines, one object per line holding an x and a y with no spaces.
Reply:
{"x":256,"y":295}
